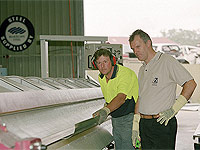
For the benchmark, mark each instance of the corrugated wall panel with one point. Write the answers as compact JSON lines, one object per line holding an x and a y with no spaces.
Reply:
{"x":49,"y":17}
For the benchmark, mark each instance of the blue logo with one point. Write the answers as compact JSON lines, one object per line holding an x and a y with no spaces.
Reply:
{"x":16,"y":30}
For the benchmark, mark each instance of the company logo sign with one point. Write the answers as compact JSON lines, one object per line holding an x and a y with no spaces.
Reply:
{"x":16,"y":33}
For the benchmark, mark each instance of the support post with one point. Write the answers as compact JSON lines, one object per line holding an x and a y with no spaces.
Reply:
{"x":44,"y":59}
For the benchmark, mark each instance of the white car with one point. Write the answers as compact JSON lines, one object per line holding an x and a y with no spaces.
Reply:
{"x":191,"y":53}
{"x":198,"y":58}
{"x":169,"y":48}
{"x":189,"y":48}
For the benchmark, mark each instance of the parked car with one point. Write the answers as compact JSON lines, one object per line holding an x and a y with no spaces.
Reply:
{"x":198,"y":58}
{"x":169,"y":48}
{"x":189,"y":48}
{"x":191,"y":53}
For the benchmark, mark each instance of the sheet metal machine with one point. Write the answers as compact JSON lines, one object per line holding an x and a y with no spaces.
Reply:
{"x":51,"y":113}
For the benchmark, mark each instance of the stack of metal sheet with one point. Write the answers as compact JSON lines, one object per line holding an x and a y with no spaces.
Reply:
{"x":52,"y":111}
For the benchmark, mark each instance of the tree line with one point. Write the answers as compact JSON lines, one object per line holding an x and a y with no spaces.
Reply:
{"x":183,"y":37}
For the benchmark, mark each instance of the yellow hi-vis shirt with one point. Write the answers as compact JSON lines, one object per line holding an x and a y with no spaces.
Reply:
{"x":123,"y":80}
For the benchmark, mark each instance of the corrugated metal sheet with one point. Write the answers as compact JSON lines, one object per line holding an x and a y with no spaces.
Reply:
{"x":49,"y":17}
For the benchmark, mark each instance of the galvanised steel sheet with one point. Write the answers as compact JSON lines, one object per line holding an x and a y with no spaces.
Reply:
{"x":49,"y":115}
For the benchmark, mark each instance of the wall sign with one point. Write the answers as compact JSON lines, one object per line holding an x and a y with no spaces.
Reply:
{"x":16,"y":33}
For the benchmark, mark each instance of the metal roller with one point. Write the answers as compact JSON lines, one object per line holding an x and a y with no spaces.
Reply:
{"x":46,"y":119}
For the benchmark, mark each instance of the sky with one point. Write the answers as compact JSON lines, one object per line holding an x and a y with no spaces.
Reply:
{"x":122,"y":17}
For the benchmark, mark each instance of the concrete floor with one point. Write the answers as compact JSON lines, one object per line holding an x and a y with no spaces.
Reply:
{"x":188,"y":121}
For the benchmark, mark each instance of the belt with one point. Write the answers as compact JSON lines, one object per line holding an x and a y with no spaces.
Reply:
{"x":149,"y":116}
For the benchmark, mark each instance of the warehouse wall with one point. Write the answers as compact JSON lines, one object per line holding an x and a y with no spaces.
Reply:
{"x":49,"y":17}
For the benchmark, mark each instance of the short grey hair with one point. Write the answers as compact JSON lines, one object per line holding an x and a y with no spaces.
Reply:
{"x":143,"y":35}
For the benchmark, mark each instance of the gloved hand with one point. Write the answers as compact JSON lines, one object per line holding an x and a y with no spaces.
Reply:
{"x":135,"y":130}
{"x":105,"y":104}
{"x":168,"y":114}
{"x":102,"y":113}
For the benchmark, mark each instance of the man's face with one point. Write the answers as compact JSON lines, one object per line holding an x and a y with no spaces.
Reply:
{"x":139,"y":48}
{"x":104,"y":64}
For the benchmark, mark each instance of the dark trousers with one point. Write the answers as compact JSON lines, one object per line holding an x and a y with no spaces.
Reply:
{"x":156,"y":136}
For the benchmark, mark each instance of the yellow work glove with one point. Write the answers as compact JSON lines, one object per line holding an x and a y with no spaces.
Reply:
{"x":165,"y":116}
{"x":135,"y":129}
{"x":102,"y":113}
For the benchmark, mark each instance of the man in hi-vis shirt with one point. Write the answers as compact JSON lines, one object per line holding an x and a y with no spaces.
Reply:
{"x":119,"y":86}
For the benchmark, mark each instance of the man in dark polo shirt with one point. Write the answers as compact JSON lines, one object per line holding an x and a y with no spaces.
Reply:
{"x":119,"y":86}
